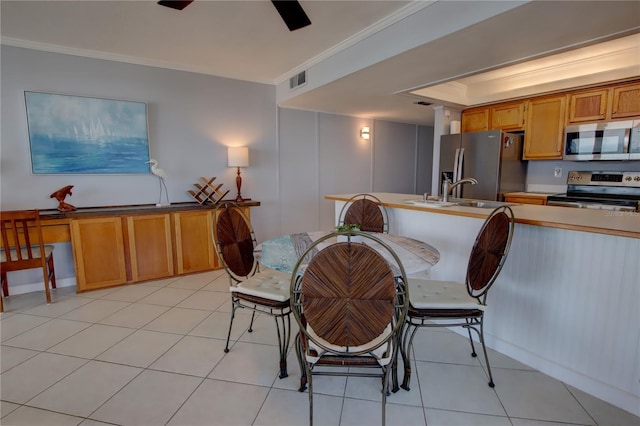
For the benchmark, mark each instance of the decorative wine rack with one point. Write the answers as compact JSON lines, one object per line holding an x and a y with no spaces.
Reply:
{"x":207,"y":191}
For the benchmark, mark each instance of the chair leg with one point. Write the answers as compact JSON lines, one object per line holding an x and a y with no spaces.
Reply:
{"x":486,"y":357}
{"x":45,"y":276}
{"x":310,"y":382}
{"x":5,"y":284}
{"x":233,"y":314}
{"x":407,"y":344}
{"x":52,"y":271}
{"x":284,"y":338}
{"x":253,"y":315}
{"x":301,"y":363}
{"x":1,"y":303}
{"x":385,"y":390}
{"x":473,"y":348}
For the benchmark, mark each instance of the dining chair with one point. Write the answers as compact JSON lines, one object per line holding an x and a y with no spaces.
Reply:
{"x":453,"y":304}
{"x":350,"y":307}
{"x":23,"y":247}
{"x":367,"y":211}
{"x":265,"y":291}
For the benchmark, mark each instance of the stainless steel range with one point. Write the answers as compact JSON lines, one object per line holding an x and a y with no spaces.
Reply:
{"x":600,"y":190}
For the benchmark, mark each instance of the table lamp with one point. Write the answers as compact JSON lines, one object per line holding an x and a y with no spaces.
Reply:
{"x":238,"y":157}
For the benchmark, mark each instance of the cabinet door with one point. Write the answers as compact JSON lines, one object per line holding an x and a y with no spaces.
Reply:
{"x":475,"y":120}
{"x":194,"y":244}
{"x":150,"y":246}
{"x":626,"y":101}
{"x":544,"y":128}
{"x":98,"y":252}
{"x":508,"y":116}
{"x":588,"y":106}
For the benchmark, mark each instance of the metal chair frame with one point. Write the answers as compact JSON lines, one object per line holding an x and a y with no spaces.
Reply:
{"x":18,"y":227}
{"x":365,"y":198}
{"x":471,"y":319}
{"x":279,"y":310}
{"x":341,"y":359}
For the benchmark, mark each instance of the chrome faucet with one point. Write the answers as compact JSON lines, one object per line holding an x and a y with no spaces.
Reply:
{"x":447,"y":187}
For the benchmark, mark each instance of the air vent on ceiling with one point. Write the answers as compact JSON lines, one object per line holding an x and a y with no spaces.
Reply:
{"x":298,"y":80}
{"x":423,"y":103}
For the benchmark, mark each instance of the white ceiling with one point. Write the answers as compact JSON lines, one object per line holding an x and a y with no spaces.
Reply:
{"x":247,"y":40}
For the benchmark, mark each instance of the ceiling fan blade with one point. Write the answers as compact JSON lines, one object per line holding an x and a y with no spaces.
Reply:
{"x":292,"y":14}
{"x":178,"y":5}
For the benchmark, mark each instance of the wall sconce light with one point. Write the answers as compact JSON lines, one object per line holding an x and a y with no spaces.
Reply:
{"x":238,"y":157}
{"x":365,"y":133}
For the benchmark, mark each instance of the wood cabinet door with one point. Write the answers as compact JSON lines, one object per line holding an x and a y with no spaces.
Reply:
{"x":544,"y":128}
{"x":475,"y":120}
{"x":626,"y":101}
{"x":98,"y":252}
{"x":150,"y":246}
{"x":508,"y":116}
{"x":194,"y":243}
{"x":588,"y":106}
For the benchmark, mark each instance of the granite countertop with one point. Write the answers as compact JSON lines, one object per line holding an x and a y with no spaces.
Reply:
{"x":625,"y":224}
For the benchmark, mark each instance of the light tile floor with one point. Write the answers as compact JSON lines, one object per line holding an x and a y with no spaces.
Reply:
{"x":152,"y":354}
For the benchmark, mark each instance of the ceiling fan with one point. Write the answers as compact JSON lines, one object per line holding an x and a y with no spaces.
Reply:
{"x":290,"y":10}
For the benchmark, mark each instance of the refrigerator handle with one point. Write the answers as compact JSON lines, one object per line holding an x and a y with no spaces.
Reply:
{"x":456,"y":161}
{"x":457,"y":190}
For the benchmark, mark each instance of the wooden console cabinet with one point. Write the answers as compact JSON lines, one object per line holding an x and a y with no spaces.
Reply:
{"x":115,"y":246}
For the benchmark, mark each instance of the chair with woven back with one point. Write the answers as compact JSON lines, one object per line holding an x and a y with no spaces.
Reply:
{"x":265,"y":291}
{"x":367,"y":211}
{"x":350,"y":306}
{"x":23,"y":248}
{"x":453,"y":304}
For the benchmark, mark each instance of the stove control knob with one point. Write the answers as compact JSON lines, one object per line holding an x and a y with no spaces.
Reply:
{"x":628,"y":178}
{"x":637,"y":178}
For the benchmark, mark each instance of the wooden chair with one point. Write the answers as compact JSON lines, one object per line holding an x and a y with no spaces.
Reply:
{"x":21,"y":229}
{"x":260,"y":291}
{"x":349,"y":307}
{"x":367,"y":211}
{"x":453,"y":304}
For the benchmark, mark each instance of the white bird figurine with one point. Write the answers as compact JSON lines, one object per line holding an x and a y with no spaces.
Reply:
{"x":162,"y":175}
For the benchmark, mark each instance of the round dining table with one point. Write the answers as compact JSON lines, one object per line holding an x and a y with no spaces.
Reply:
{"x":282,"y":253}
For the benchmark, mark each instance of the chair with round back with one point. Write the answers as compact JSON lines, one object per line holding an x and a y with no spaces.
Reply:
{"x":367,"y":211}
{"x":266,"y":291}
{"x":456,"y":304}
{"x":349,"y":307}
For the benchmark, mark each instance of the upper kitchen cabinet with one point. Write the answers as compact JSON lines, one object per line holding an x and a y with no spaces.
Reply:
{"x":507,"y":116}
{"x":589,"y":105}
{"x":626,"y":101}
{"x":604,"y":103}
{"x":475,"y":119}
{"x":544,"y":128}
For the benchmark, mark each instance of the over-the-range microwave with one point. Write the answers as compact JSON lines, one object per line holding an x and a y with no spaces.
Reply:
{"x":612,"y":140}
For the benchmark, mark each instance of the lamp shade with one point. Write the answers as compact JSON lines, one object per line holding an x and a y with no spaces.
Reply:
{"x":238,"y":156}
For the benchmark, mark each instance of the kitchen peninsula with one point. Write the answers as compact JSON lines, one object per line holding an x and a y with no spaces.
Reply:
{"x":566,"y":302}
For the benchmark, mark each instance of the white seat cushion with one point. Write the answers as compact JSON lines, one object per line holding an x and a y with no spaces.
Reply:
{"x":25,"y":255}
{"x":270,"y":284}
{"x":381,"y":355}
{"x":428,"y":294}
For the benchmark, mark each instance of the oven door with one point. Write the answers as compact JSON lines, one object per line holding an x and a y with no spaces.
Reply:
{"x":598,"y":141}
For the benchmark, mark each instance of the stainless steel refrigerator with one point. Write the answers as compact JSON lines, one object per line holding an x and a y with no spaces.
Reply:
{"x":493,"y":157}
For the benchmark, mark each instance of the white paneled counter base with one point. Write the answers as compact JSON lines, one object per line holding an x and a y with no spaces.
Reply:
{"x":568,"y":299}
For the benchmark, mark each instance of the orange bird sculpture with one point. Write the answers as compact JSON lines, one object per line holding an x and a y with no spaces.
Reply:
{"x":60,"y":195}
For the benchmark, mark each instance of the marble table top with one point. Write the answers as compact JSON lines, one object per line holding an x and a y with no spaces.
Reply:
{"x":282,"y":253}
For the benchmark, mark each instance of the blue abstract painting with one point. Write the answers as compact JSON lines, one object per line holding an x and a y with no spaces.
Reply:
{"x":81,"y":135}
